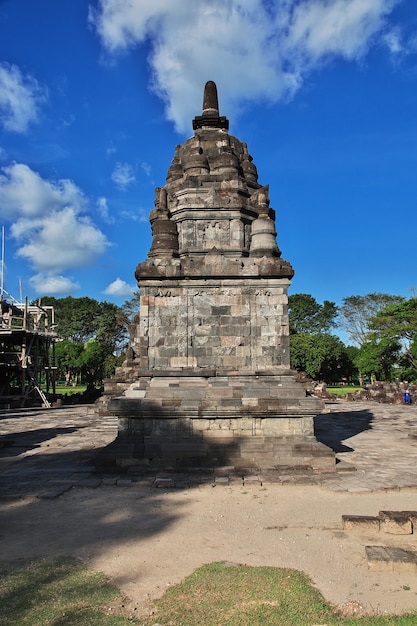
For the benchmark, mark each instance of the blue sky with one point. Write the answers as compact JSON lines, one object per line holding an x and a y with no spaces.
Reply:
{"x":95,"y":95}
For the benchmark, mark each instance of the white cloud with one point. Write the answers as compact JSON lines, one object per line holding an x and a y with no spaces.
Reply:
{"x":120,"y":289}
{"x":3,"y":154}
{"x":399,"y":44}
{"x":103,"y":209}
{"x":253,"y":49}
{"x":49,"y":224}
{"x":20,"y":98}
{"x":24,"y":193}
{"x":123,"y":175}
{"x":122,"y":23}
{"x":44,"y":284}
{"x":337,"y":27}
{"x":393,"y":42}
{"x":59,"y":241}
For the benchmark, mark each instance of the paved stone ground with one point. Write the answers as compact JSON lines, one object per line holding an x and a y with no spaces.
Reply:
{"x":46,"y":452}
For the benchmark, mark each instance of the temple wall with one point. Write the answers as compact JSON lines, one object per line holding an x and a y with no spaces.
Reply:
{"x":226,"y":326}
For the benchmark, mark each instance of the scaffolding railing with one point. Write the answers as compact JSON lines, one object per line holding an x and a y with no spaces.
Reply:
{"x":21,"y":315}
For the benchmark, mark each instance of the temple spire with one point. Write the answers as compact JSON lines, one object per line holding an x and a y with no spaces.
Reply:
{"x":210,"y":100}
{"x":210,"y":117}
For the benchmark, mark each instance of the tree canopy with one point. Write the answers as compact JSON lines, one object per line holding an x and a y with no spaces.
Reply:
{"x":82,"y":319}
{"x":376,"y":358}
{"x":308,"y":316}
{"x":398,"y":323}
{"x":322,"y":356}
{"x":357,"y":312}
{"x":131,"y":307}
{"x":92,"y":336}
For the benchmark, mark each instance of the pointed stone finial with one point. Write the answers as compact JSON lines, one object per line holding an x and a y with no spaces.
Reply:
{"x":210,"y":100}
{"x":210,"y":117}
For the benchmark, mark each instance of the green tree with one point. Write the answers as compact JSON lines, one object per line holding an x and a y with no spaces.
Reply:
{"x":322,"y":356}
{"x":356,"y":313}
{"x":75,"y":318}
{"x":351,"y":372}
{"x":130,"y":310}
{"x":67,"y":354}
{"x":92,"y":362}
{"x":131,"y":307}
{"x":79,"y":321}
{"x":376,"y":358}
{"x":112,"y":328}
{"x":306,"y":315}
{"x":398,"y":323}
{"x":110,"y":363}
{"x":82,"y":319}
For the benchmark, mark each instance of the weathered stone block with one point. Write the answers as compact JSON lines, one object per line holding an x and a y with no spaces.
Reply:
{"x":361,"y":522}
{"x":200,"y":425}
{"x":388,"y":559}
{"x":395,"y":523}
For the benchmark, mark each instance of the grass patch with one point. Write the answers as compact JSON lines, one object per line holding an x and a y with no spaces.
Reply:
{"x":64,"y":390}
{"x":61,"y":592}
{"x":221,"y":594}
{"x":342,"y":391}
{"x":56,"y":592}
{"x":69,"y":390}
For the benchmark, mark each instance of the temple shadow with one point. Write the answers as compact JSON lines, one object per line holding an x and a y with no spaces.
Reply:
{"x":50,"y":503}
{"x":19,"y":442}
{"x":84,"y":520}
{"x":182,"y":453}
{"x":87,"y":521}
{"x":335,"y":427}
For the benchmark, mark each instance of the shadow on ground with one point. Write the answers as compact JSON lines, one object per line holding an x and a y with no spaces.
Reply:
{"x":86,"y":520}
{"x":335,"y":427}
{"x":20,"y":442}
{"x":110,"y":523}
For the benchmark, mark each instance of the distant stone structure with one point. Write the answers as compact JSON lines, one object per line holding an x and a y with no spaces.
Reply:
{"x":207,"y":379}
{"x":386,"y":393}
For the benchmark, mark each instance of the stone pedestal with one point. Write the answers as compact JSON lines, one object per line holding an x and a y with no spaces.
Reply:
{"x":207,"y":380}
{"x":245,"y":422}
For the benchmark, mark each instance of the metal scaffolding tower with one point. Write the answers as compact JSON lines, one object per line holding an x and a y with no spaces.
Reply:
{"x":27,"y":352}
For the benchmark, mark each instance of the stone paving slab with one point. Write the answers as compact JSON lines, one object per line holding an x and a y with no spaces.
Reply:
{"x":46,"y":452}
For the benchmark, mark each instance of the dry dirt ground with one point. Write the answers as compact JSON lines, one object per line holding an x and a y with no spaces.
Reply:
{"x":148,"y":539}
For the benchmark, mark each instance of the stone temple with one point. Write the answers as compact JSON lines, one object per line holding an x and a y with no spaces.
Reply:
{"x":207,"y":380}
